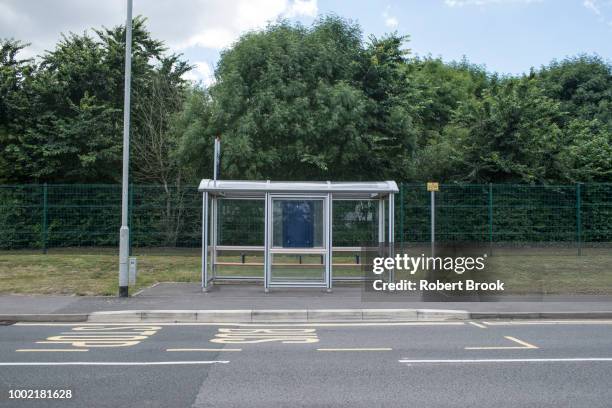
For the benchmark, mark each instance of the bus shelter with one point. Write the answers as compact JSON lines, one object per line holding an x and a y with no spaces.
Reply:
{"x":295,"y":246}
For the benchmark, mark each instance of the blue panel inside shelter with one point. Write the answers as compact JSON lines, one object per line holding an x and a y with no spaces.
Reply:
{"x":298,"y":224}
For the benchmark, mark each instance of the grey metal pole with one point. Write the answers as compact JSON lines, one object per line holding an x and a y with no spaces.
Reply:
{"x":124,"y":232}
{"x":217,"y":157}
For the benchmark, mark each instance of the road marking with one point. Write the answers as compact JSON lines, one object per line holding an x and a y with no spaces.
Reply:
{"x":523,"y":345}
{"x":482,"y":326}
{"x":113,"y":334}
{"x":260,"y":324}
{"x":251,"y":336}
{"x":28,"y":350}
{"x":511,"y":360}
{"x":547,"y":322}
{"x":521,"y":342}
{"x":356,"y":349}
{"x":203,"y":349}
{"x":87,"y":336}
{"x":112,"y":363}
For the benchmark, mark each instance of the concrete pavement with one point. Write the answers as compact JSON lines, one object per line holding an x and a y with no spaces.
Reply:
{"x":240,"y":298}
{"x":425,"y":364}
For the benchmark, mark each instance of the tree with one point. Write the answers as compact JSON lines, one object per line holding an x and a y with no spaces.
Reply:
{"x":586,"y":155}
{"x":154,"y":149}
{"x":192,"y":125}
{"x":582,"y":84}
{"x":15,"y":74}
{"x":510,"y":135}
{"x":72,"y":132}
{"x":310,"y":103}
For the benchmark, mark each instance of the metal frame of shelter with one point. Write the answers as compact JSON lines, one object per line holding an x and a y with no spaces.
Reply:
{"x":269,"y":191}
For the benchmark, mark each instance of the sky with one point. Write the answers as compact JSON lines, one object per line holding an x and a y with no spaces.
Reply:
{"x":505,"y":36}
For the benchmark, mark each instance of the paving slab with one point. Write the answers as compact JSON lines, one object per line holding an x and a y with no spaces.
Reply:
{"x":188,"y":296}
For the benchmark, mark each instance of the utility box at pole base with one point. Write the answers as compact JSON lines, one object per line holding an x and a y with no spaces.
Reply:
{"x":133,"y":270}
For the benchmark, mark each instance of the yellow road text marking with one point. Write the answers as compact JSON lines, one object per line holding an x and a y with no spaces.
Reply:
{"x":88,"y":336}
{"x":251,"y":336}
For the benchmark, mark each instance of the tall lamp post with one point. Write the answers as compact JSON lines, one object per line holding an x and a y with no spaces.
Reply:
{"x":124,"y":232}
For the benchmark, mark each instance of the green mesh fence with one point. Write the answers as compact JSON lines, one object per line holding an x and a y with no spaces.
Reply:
{"x":42,"y":217}
{"x":241,"y":222}
{"x":354,"y":222}
{"x":570,"y":215}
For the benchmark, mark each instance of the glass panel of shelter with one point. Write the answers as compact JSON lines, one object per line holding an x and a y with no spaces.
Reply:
{"x":298,"y":247}
{"x":298,"y":237}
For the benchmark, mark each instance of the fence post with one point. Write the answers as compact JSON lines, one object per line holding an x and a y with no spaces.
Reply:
{"x":578,"y":219}
{"x":490,"y":219}
{"x":44,"y":220}
{"x":401,"y":228}
{"x":130,"y":213}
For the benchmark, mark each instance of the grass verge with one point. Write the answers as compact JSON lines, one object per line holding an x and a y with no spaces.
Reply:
{"x":88,"y":274}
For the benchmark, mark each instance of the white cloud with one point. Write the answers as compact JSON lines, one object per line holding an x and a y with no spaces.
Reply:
{"x":461,"y":3}
{"x":202,"y":72}
{"x":390,"y":20}
{"x":601,"y":9}
{"x":193,"y":27}
{"x":308,"y":8}
{"x":216,"y":38}
{"x":181,"y":24}
{"x":592,"y":5}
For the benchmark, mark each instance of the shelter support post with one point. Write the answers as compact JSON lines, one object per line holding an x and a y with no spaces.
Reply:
{"x":214,"y":205}
{"x":381,"y":227}
{"x":381,"y":221}
{"x":267,"y":221}
{"x":392,"y":233}
{"x":205,"y":241}
{"x":329,"y":242}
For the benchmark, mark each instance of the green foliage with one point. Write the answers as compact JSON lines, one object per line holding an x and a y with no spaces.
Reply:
{"x":15,"y":75}
{"x":583,"y":85}
{"x":587,"y":153}
{"x":510,"y":134}
{"x":309,"y":103}
{"x":302,"y":103}
{"x":299,"y":103}
{"x":61,"y":120}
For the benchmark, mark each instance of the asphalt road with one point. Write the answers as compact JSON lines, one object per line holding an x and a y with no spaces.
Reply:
{"x":455,"y":364}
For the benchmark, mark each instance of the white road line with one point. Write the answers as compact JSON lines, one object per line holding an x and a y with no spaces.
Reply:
{"x":521,"y":342}
{"x":510,"y":360}
{"x":30,"y":350}
{"x":203,"y":349}
{"x":523,"y":345}
{"x":482,"y":326}
{"x":546,"y":322}
{"x":112,"y":363}
{"x":454,"y":323}
{"x":356,"y":349}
